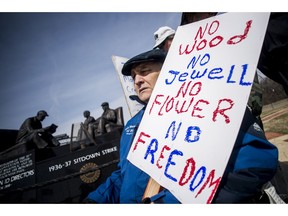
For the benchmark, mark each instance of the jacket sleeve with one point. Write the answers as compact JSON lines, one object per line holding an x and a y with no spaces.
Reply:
{"x":107,"y":192}
{"x":253,"y":162}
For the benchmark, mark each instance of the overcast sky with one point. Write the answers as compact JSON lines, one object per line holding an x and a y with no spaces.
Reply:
{"x":61,"y":62}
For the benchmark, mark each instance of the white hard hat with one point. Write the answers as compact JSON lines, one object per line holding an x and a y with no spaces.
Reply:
{"x":161,"y":34}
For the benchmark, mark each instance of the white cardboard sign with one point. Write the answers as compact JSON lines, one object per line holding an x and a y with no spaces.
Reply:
{"x":127,"y":85}
{"x":195,"y":111}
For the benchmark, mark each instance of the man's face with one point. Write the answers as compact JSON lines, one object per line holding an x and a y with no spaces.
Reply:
{"x":86,"y":114}
{"x":145,"y":76}
{"x":41,"y":117}
{"x":167,"y":43}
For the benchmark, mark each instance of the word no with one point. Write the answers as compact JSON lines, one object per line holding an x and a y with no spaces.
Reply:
{"x":200,"y":43}
{"x":197,"y":176}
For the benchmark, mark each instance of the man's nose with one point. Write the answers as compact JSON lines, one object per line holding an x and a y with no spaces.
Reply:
{"x":138,"y":80}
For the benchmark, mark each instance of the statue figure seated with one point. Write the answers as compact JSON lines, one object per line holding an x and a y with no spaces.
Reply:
{"x":110,"y":120}
{"x":119,"y":121}
{"x":32,"y":134}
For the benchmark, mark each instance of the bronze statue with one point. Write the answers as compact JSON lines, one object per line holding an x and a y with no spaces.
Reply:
{"x":88,"y":121}
{"x":107,"y":120}
{"x":33,"y":135}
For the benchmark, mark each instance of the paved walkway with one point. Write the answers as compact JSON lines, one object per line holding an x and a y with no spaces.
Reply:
{"x":282,"y":144}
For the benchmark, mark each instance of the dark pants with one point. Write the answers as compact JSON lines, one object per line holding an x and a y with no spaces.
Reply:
{"x":40,"y":140}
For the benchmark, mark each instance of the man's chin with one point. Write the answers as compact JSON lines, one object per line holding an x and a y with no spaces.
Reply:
{"x":144,"y":97}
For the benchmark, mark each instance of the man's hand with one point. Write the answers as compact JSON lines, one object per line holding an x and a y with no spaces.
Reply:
{"x":42,"y":130}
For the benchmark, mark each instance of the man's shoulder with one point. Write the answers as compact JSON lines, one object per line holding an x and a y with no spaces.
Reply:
{"x":91,"y":118}
{"x":138,"y":116}
{"x":111,"y":111}
{"x":30,"y":119}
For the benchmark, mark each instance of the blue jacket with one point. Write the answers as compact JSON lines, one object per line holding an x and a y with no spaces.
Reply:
{"x":253,"y":162}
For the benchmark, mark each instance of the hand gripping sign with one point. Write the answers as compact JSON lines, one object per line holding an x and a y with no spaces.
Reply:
{"x":195,"y":111}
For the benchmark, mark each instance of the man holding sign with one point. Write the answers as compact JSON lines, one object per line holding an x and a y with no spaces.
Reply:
{"x":253,"y":161}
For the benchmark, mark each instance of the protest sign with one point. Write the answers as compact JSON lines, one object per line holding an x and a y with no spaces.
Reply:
{"x":198,"y":104}
{"x":127,"y":85}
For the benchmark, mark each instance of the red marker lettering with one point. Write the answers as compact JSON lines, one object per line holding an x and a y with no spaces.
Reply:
{"x":139,"y":140}
{"x":221,"y":111}
{"x":165,"y":147}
